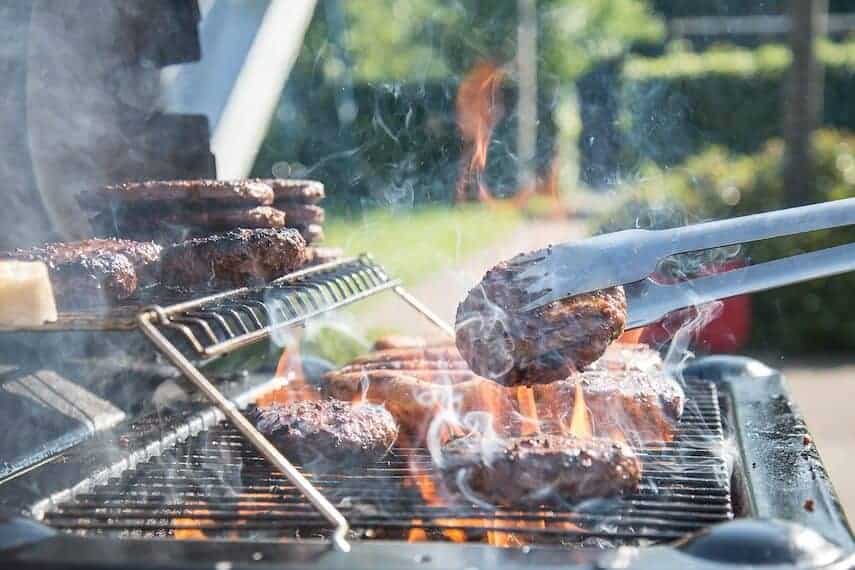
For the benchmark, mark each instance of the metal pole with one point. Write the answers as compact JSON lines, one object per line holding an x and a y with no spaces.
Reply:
{"x":261,"y":443}
{"x":803,"y":97}
{"x":527,"y":101}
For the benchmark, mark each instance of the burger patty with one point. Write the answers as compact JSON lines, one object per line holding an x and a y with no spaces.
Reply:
{"x":173,"y":194}
{"x":416,"y":385}
{"x":399,"y":341}
{"x":627,"y":392}
{"x":287,"y":191}
{"x":502,"y":342}
{"x":303,"y":214}
{"x":94,"y":271}
{"x":233,"y":259}
{"x":329,"y":433}
{"x":444,"y":353}
{"x":540,"y":470}
{"x":312,"y":233}
{"x":226,"y":219}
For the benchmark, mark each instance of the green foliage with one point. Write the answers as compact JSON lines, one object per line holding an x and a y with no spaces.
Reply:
{"x":415,"y":39}
{"x":576,"y":34}
{"x":813,"y":316}
{"x":677,"y":104}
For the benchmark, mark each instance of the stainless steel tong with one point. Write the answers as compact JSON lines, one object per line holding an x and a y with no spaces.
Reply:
{"x":630,"y":257}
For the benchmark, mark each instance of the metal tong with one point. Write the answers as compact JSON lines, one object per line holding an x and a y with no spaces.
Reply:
{"x":630,"y":257}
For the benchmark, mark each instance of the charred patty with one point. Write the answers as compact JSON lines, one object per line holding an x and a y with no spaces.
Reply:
{"x":233,"y":259}
{"x":328,"y":434}
{"x":171,"y":194}
{"x":502,"y":342}
{"x":627,"y":391}
{"x":539,"y":470}
{"x":289,"y":191}
{"x":94,"y":271}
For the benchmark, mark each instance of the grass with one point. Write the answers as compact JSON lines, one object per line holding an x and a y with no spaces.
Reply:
{"x":414,"y":243}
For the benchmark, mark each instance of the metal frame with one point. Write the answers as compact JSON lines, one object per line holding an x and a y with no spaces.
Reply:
{"x":292,"y":300}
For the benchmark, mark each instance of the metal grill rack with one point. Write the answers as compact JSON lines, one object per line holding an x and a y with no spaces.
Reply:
{"x":215,"y":485}
{"x":220,"y":323}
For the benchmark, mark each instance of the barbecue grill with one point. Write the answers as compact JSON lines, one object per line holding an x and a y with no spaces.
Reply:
{"x":182,"y":484}
{"x":124,"y":433}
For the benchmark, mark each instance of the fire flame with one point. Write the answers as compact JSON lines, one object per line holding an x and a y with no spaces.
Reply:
{"x":186,"y":528}
{"x":528,"y":411}
{"x":479,"y":108}
{"x":296,"y":389}
{"x":580,"y":423}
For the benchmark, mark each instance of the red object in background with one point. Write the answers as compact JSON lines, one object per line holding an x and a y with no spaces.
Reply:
{"x":728,"y":331}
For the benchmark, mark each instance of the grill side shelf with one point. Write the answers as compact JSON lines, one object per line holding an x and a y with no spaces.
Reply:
{"x":784,"y":475}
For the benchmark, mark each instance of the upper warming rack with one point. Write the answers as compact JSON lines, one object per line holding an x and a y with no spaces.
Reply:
{"x":219,"y":323}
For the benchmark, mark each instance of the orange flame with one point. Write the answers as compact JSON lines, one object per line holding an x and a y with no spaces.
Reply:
{"x":580,"y":423}
{"x":187,"y":528}
{"x":528,"y":410}
{"x":479,"y":108}
{"x":289,"y":368}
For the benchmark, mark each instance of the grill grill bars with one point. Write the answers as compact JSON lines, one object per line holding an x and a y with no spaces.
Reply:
{"x":224,"y":322}
{"x":215,"y":485}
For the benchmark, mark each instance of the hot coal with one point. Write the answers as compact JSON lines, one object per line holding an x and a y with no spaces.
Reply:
{"x":95,"y":271}
{"x":324,"y":434}
{"x":233,"y":259}
{"x":502,"y":342}
{"x":539,"y":470}
{"x":627,"y":391}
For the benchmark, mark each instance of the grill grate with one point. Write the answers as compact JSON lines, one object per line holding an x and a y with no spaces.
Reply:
{"x":223,"y":322}
{"x":215,"y":485}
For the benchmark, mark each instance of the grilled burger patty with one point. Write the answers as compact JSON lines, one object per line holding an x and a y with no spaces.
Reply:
{"x":225,"y":219}
{"x":627,"y":391}
{"x":233,"y":259}
{"x":292,"y":191}
{"x":415,"y":384}
{"x":512,"y":347}
{"x":327,"y":433}
{"x":178,"y":193}
{"x":540,"y":470}
{"x":312,"y":233}
{"x":94,"y":271}
{"x":303,"y":214}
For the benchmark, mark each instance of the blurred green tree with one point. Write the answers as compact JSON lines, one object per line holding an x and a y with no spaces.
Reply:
{"x":417,"y":39}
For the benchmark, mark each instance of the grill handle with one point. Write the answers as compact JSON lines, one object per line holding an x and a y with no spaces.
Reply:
{"x":231,"y":412}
